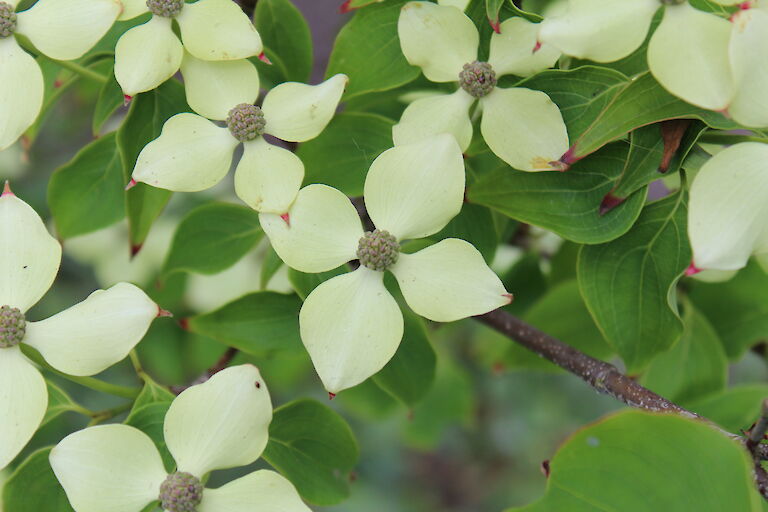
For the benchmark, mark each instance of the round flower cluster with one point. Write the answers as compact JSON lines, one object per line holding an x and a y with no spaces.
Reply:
{"x":165,"y":8}
{"x":477,"y":78}
{"x":7,"y":20}
{"x":378,"y":250}
{"x":246,"y":122}
{"x":12,"y":326}
{"x":181,"y":492}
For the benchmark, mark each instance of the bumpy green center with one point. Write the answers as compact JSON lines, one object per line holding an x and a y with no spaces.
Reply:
{"x":181,"y":492}
{"x":246,"y":122}
{"x":12,"y":326}
{"x":378,"y":250}
{"x":165,"y":8}
{"x":477,"y":78}
{"x":7,"y":20}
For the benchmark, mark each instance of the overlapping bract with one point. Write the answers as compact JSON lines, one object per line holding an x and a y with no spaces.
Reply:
{"x":219,"y":424}
{"x":82,"y":340}
{"x":59,"y":29}
{"x":351,"y":325}
{"x":521,"y":126}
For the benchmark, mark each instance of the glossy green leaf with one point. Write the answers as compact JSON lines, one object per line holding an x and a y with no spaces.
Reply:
{"x":367,"y":50}
{"x":314,"y":448}
{"x":86,"y":194}
{"x":213,"y":237}
{"x":152,"y":393}
{"x":738,"y":308}
{"x":149,"y":419}
{"x":341,"y":155}
{"x":476,"y":225}
{"x":304,"y":283}
{"x":409,"y":375}
{"x":59,"y":402}
{"x":144,"y":122}
{"x":526,"y":281}
{"x":566,"y":203}
{"x":110,"y":99}
{"x":735,"y":409}
{"x":33,"y":487}
{"x":272,"y":263}
{"x":696,"y":366}
{"x":284,"y":30}
{"x":635,"y":461}
{"x":628,"y":284}
{"x":255,"y":323}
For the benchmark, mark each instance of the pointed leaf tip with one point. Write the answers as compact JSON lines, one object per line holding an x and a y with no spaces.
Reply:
{"x":7,"y":190}
{"x":135,"y":249}
{"x":610,"y":202}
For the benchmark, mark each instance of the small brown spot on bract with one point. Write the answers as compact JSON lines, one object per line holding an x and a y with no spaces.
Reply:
{"x":258,"y":385}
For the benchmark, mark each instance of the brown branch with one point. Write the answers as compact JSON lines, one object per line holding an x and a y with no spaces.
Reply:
{"x":602,"y":376}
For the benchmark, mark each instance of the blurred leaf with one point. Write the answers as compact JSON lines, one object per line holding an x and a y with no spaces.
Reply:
{"x":304,"y":283}
{"x":33,"y":487}
{"x":314,"y":448}
{"x":368,"y":401}
{"x":255,"y":323}
{"x":284,"y":30}
{"x":526,"y":282}
{"x":213,"y":237}
{"x":696,"y":366}
{"x":409,"y":375}
{"x":628,"y":284}
{"x":563,"y":263}
{"x":475,"y":224}
{"x":59,"y":402}
{"x":737,"y":309}
{"x":610,"y":466}
{"x":109,"y":100}
{"x":272,"y":263}
{"x":560,"y":313}
{"x":143,"y":124}
{"x":566,"y":203}
{"x":341,"y":155}
{"x":86,"y":194}
{"x":735,"y":409}
{"x":149,"y":419}
{"x":367,"y":50}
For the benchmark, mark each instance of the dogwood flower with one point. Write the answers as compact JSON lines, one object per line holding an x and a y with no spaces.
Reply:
{"x":59,"y":29}
{"x":728,"y":208}
{"x":211,"y":31}
{"x":351,"y":325}
{"x":219,"y":424}
{"x":697,"y":56}
{"x":521,"y":126}
{"x":193,"y":154}
{"x":82,"y":340}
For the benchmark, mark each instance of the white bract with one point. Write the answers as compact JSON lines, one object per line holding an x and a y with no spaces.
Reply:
{"x":193,"y":153}
{"x":522,"y":126}
{"x":728,"y":208}
{"x":59,"y":29}
{"x":698,"y":56}
{"x":222,"y":423}
{"x":351,"y":325}
{"x":216,"y":35}
{"x":82,"y":340}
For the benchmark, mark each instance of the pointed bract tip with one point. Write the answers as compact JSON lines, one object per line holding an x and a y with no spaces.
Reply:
{"x":58,"y":83}
{"x":545,"y":468}
{"x":345,"y":7}
{"x":331,"y":396}
{"x":692,"y":270}
{"x":163,"y":313}
{"x":7,"y":189}
{"x":286,"y":218}
{"x":135,"y":249}
{"x":263,"y":58}
{"x":131,"y":184}
{"x":127,"y":100}
{"x":610,"y":202}
{"x":184,"y":323}
{"x":495,"y":25}
{"x":725,"y":113}
{"x":536,"y":47}
{"x":557,"y":165}
{"x":510,"y":297}
{"x":569,"y":157}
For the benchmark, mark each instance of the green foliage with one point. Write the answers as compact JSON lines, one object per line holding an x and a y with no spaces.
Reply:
{"x":628,"y":284}
{"x":287,"y":39}
{"x":314,"y":448}
{"x":627,"y":461}
{"x":734,"y":409}
{"x":33,"y":486}
{"x":149,"y":419}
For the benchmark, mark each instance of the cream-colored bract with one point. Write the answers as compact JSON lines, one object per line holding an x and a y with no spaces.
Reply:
{"x":728,"y":210}
{"x":194,"y":154}
{"x":59,"y":29}
{"x":211,"y":30}
{"x":221,"y":423}
{"x":82,"y":340}
{"x":350,"y":324}
{"x":441,"y":40}
{"x":748,"y":52}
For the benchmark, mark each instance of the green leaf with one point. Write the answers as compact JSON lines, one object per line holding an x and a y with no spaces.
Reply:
{"x":284,"y":30}
{"x":628,"y":284}
{"x":272,"y":263}
{"x":409,"y":375}
{"x":149,"y":419}
{"x":475,"y":224}
{"x":33,"y":487}
{"x":738,"y":308}
{"x":492,"y":8}
{"x":59,"y":402}
{"x":255,"y":323}
{"x":567,"y":203}
{"x":109,"y":100}
{"x":695,"y":367}
{"x":367,"y":50}
{"x":526,"y":281}
{"x":314,"y":448}
{"x":735,"y":409}
{"x":341,"y":155}
{"x":635,"y":461}
{"x":213,"y":237}
{"x":143,"y":124}
{"x":560,"y":313}
{"x":152,"y":393}
{"x":304,"y":283}
{"x":86,"y":194}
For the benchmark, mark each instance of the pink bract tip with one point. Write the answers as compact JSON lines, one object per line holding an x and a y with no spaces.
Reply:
{"x":263,"y":58}
{"x":286,"y":218}
{"x":127,"y":100}
{"x":135,"y":249}
{"x":345,"y":7}
{"x":163,"y":313}
{"x":7,"y":190}
{"x":131,"y":184}
{"x":536,"y":47}
{"x":184,"y":323}
{"x":692,"y":270}
{"x":495,"y":25}
{"x":331,"y":396}
{"x":610,"y":202}
{"x":509,"y":297}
